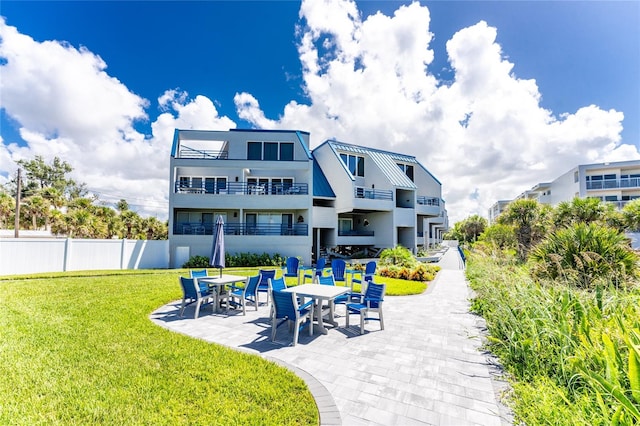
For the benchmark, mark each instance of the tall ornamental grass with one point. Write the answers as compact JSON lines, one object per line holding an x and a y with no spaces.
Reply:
{"x":573,"y":355}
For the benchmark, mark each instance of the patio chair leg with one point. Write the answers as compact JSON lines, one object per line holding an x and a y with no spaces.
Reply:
{"x":274,"y":324}
{"x":347,"y":315}
{"x":184,"y":304}
{"x":362,"y":315}
{"x":197,"y":309}
{"x":295,"y":334}
{"x":381,"y":320}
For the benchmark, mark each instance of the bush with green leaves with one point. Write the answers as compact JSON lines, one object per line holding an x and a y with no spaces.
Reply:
{"x":197,"y":262}
{"x":573,"y":356}
{"x":399,"y":256}
{"x":585,"y":255}
{"x":253,"y":259}
{"x":421,"y":272}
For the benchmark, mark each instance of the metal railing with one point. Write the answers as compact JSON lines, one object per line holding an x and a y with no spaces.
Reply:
{"x":355,"y":233}
{"x":242,"y":188}
{"x":428,"y":201}
{"x":613,"y":184}
{"x":241,"y":228}
{"x":186,"y":152}
{"x":374,"y":194}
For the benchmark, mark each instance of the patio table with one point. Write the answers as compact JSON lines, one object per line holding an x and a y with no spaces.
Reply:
{"x":219,"y":282}
{"x":320,"y":293}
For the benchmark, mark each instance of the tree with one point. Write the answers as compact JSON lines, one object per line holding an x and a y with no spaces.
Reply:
{"x":529,"y":219}
{"x":579,"y":210}
{"x":631,"y":214}
{"x":467,"y":230}
{"x":7,"y":208}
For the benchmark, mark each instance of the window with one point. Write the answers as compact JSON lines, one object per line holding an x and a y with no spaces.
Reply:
{"x":407,"y":169}
{"x":354,"y":163}
{"x":254,"y":151}
{"x":270,"y":151}
{"x":215,"y":185}
{"x":611,"y":198}
{"x":575,"y":176}
{"x":286,"y":151}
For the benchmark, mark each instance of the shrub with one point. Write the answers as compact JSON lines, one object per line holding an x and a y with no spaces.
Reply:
{"x":253,"y":259}
{"x":585,"y":254}
{"x":197,"y":262}
{"x":397,"y":256}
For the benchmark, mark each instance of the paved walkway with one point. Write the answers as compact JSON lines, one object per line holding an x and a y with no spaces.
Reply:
{"x":425,"y":368}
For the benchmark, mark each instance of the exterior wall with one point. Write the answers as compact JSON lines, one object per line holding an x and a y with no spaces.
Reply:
{"x":565,"y":188}
{"x":255,"y":197}
{"x":35,"y":255}
{"x":578,"y":182}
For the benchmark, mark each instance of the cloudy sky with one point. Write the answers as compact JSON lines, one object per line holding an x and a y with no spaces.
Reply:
{"x":492,"y":97}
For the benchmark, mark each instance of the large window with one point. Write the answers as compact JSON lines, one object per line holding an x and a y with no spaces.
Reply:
{"x":354,"y":163}
{"x":270,"y":151}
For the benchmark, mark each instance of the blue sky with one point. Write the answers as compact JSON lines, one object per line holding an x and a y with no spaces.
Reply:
{"x":527,"y":90}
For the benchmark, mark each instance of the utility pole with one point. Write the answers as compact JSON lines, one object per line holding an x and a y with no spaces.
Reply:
{"x":16,"y":225}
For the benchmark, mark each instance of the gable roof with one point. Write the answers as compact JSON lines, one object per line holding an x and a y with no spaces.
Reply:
{"x":386,"y":161}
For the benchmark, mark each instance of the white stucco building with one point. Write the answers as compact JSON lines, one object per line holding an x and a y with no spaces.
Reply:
{"x":614,"y":182}
{"x":276,"y":196}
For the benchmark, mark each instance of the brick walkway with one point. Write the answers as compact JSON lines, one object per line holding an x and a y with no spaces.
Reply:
{"x":425,"y":368}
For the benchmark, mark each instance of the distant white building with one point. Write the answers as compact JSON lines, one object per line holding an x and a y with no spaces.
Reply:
{"x":615,"y":182}
{"x":276,"y":196}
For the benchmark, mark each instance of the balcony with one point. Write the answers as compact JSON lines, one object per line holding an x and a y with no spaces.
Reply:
{"x":242,"y":188}
{"x":206,"y":154}
{"x":241,"y":228}
{"x":614,"y":183}
{"x":373,"y":194}
{"x":355,"y":233}
{"x":428,"y":201}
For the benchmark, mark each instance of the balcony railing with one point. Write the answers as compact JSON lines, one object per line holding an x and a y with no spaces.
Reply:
{"x":374,"y":194}
{"x":355,"y":233}
{"x":613,"y":184}
{"x":428,"y":201}
{"x":242,"y":188}
{"x":186,"y":152}
{"x":242,"y":228}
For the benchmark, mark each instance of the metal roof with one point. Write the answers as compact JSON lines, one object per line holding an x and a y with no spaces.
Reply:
{"x":385,"y":160}
{"x":321,"y":187}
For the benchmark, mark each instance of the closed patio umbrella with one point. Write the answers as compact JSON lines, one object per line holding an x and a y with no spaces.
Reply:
{"x":217,"y":252}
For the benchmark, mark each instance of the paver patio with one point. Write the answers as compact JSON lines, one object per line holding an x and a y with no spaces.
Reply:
{"x":425,"y":368}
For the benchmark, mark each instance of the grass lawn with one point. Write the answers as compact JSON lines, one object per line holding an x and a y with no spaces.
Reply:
{"x":79,"y":348}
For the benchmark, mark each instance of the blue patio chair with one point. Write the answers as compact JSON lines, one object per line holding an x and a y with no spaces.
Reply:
{"x":317,"y":271}
{"x":338,"y":269}
{"x":198,"y":273}
{"x":326,"y":280}
{"x":193,"y":292}
{"x":240,"y":296}
{"x":286,"y":309}
{"x":291,"y":268}
{"x":263,"y":285}
{"x":370,"y":302}
{"x":367,"y":275}
{"x":277,"y":284}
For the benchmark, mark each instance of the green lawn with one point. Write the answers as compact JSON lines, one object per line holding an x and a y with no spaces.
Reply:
{"x":79,"y":348}
{"x":82,"y":350}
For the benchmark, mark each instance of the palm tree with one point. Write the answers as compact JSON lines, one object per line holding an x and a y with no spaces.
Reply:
{"x":631,"y":214}
{"x":579,"y":210}
{"x":529,"y":219}
{"x":36,"y":208}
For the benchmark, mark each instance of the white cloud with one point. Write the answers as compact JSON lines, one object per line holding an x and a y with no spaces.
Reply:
{"x":484,"y":135}
{"x":68,"y":106}
{"x":368,"y":81}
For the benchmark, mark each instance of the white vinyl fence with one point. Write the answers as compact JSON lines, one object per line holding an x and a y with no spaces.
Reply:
{"x":32,"y":255}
